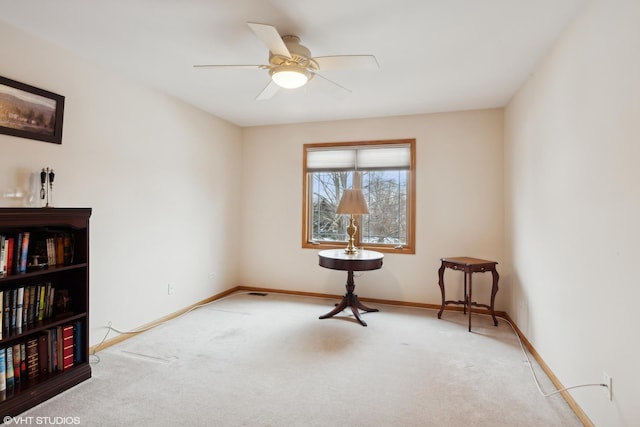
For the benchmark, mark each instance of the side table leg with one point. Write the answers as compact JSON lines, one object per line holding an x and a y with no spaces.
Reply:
{"x":468,"y":303}
{"x":441,"y":284}
{"x":494,"y":291}
{"x":469,"y":300}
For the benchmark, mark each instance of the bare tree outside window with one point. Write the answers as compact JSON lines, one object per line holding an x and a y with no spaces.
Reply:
{"x":386,"y":195}
{"x":327,"y":225}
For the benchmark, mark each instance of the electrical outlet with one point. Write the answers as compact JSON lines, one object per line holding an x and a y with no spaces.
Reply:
{"x":170,"y":288}
{"x":606,"y":380}
{"x":212,"y":275}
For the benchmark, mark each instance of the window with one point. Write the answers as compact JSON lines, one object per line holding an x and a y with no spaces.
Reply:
{"x":384,"y":170}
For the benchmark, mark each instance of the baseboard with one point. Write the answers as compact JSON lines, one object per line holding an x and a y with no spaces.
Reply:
{"x":125,"y":336}
{"x":567,"y":397}
{"x":364,"y":299}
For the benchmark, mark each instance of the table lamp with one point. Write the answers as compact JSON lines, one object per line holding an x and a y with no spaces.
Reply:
{"x":352,"y":203}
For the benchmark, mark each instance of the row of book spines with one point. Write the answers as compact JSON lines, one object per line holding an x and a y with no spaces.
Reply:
{"x":56,"y":350}
{"x":24,"y":306}
{"x":58,"y":249}
{"x":14,"y":252}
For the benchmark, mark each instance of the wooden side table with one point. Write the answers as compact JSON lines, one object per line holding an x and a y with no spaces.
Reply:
{"x":469,"y":266}
{"x":363,"y":260}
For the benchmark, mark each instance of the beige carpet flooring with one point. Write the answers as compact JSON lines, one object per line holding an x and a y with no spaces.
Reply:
{"x":250,"y":360}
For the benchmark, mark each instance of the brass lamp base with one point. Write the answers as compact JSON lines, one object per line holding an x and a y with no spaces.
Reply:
{"x":351,"y":231}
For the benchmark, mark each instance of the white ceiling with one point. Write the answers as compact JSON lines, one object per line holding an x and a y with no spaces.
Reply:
{"x":434,"y":55}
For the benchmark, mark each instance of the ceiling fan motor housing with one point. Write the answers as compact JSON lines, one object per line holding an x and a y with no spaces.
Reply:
{"x":300,"y":56}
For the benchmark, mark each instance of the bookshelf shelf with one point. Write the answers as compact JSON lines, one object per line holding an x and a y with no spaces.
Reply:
{"x":44,"y":345}
{"x":40,"y":273}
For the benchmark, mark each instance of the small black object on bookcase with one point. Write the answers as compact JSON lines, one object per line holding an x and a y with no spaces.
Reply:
{"x":46,"y":187}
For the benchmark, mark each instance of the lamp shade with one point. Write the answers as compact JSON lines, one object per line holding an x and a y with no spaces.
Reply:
{"x":352,"y":203}
{"x":289,"y":76}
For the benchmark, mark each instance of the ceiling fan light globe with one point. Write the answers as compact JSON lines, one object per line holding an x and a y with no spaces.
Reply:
{"x":289,"y":77}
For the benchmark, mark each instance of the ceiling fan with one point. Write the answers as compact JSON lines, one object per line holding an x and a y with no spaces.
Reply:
{"x":292,"y":66}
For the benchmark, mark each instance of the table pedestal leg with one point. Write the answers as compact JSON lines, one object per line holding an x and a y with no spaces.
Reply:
{"x":350,"y":300}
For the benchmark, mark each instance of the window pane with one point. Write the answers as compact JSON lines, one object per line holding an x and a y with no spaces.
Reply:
{"x":327,"y":187}
{"x":386,"y":194}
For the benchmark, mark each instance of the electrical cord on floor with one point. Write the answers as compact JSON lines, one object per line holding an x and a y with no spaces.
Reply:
{"x":533,"y":374}
{"x":524,"y":351}
{"x":140,"y":330}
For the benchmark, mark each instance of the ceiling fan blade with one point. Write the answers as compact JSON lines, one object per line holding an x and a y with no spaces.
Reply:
{"x":347,"y":62}
{"x":270,"y":36}
{"x":228,"y":66}
{"x":268,"y":92}
{"x":330,"y":87}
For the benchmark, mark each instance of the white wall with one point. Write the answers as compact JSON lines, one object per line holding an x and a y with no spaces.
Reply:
{"x":161,"y":177}
{"x":459,"y":204}
{"x":573,"y":205}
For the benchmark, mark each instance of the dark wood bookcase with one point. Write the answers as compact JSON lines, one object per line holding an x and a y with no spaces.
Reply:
{"x":71,"y":276}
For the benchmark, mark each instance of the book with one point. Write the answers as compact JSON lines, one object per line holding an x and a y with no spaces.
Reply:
{"x":33,"y":359}
{"x":32,"y":303}
{"x":16,"y":365}
{"x":25,"y":251}
{"x":50,"y":300}
{"x":9,"y":362}
{"x":10,"y":251}
{"x":19,"y":309}
{"x":51,"y":252}
{"x":3,"y":255}
{"x":6,"y":311}
{"x":43,"y":351}
{"x":43,"y":290}
{"x":59,"y":349}
{"x":36,"y":303}
{"x":3,"y":370}
{"x":67,"y":347}
{"x":17,"y":253}
{"x":53,"y":350}
{"x":12,"y":312}
{"x":59,"y":249}
{"x":25,"y":307}
{"x":23,"y":361}
{"x":77,"y":342}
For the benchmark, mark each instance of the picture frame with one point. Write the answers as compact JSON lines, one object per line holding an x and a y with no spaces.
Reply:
{"x":30,"y":112}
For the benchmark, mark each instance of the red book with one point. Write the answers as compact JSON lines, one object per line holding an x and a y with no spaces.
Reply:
{"x":9,"y":248}
{"x":67,"y":347}
{"x":16,"y":363}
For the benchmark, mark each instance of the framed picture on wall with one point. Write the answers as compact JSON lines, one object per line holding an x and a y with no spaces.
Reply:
{"x":30,"y":112}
